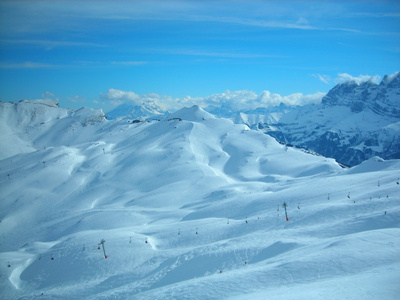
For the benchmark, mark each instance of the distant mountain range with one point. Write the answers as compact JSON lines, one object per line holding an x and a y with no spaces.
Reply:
{"x":353,"y":122}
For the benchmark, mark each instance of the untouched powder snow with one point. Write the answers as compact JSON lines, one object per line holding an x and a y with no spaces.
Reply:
{"x":189,"y":207}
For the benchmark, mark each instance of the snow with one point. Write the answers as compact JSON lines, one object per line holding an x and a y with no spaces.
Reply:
{"x":190,"y":207}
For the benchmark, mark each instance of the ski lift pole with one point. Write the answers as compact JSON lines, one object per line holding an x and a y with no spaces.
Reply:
{"x":284,"y":206}
{"x":102,"y":245}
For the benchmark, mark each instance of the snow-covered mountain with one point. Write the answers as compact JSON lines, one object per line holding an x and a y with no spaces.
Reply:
{"x":146,"y":111}
{"x":353,"y":123}
{"x":188,"y":207}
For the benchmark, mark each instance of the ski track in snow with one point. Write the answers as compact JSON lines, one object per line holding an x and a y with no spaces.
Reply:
{"x":190,"y":207}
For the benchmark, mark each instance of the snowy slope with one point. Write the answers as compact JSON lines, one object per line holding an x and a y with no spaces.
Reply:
{"x":190,"y":207}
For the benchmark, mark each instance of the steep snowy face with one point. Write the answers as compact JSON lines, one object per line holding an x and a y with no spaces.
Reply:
{"x":342,"y":94}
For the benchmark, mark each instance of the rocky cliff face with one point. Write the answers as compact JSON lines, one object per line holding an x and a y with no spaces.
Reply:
{"x":383,"y":98}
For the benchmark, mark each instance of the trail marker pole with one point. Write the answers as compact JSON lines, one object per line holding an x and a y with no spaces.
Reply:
{"x":284,"y":206}
{"x":102,"y":245}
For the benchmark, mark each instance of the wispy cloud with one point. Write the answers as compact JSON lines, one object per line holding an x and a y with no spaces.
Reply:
{"x":342,"y":29}
{"x":49,"y":95}
{"x":76,"y":99}
{"x":215,"y":53}
{"x":244,"y":13}
{"x":77,"y":14}
{"x":28,"y":65}
{"x":49,"y":44}
{"x":72,"y":65}
{"x":377,"y":14}
{"x":129,"y":63}
{"x":324,"y":78}
{"x":261,"y":23}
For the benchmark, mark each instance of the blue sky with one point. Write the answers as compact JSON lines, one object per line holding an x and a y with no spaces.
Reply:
{"x":89,"y":53}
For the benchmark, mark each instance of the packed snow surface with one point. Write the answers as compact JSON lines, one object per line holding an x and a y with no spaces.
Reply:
{"x":188,"y":207}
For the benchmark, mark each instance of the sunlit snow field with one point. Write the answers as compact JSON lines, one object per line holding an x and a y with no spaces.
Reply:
{"x":189,"y":207}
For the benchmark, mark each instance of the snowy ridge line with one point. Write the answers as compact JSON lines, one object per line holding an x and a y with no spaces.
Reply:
{"x":189,"y":209}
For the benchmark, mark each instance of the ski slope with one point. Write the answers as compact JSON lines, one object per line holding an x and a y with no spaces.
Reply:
{"x":190,"y":207}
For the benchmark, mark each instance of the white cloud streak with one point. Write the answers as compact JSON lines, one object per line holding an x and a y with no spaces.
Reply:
{"x":324,"y":78}
{"x":129,"y":63}
{"x":76,"y":64}
{"x":51,"y":44}
{"x":28,"y":65}
{"x":343,"y":77}
{"x":218,"y":53}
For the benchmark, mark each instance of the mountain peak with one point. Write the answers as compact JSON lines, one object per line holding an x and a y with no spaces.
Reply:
{"x":145,"y":111}
{"x":194,"y":114}
{"x":391,"y":80}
